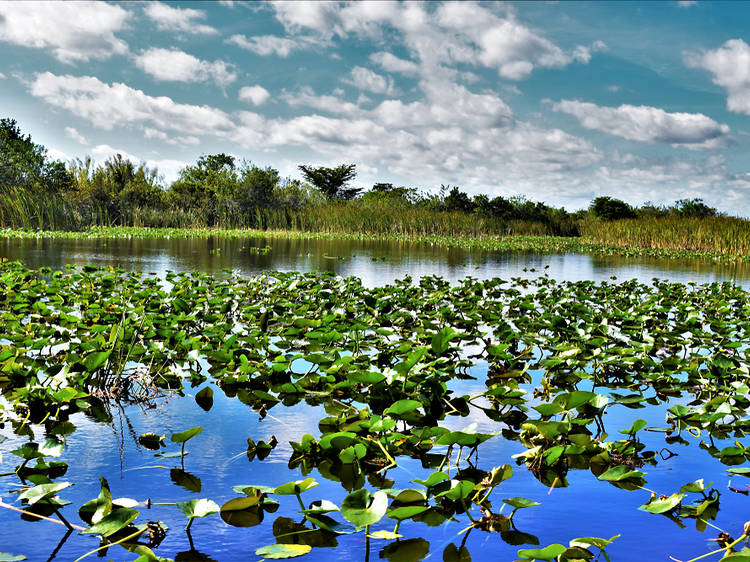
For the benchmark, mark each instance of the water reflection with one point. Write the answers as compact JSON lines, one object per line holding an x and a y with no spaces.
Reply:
{"x":375,"y":262}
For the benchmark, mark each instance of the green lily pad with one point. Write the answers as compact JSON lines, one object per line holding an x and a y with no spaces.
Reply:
{"x":663,"y":505}
{"x":198,"y":508}
{"x":619,"y":473}
{"x":547,"y":553}
{"x":110,"y":524}
{"x":278,"y":551}
{"x":363,"y":508}
{"x":519,"y":502}
{"x":183,"y":436}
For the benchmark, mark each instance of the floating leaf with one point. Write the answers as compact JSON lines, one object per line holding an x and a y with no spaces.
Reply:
{"x":42,"y":492}
{"x":197,"y":508}
{"x":619,"y":473}
{"x":547,"y":553}
{"x":520,"y":503}
{"x":363,"y":508}
{"x":109,"y":525}
{"x":277,"y":551}
{"x":296,"y":487}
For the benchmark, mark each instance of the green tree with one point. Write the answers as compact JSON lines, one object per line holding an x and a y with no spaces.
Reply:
{"x":694,"y":208}
{"x":257,"y":187}
{"x":609,"y":209}
{"x":456,"y":200}
{"x":206,"y":188}
{"x":118,"y":187}
{"x":24,"y":164}
{"x":332,"y":181}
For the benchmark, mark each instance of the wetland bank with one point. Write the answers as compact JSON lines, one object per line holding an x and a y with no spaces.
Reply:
{"x":308,"y":393}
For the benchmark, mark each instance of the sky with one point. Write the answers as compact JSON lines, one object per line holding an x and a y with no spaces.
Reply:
{"x":558,"y":102}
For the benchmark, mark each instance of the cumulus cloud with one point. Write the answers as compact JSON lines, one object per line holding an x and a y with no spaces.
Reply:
{"x":265,"y":45}
{"x":60,"y":28}
{"x":72,"y":133}
{"x":181,"y":20}
{"x":306,"y":97}
{"x":392,"y":63}
{"x":454,"y":32}
{"x":257,"y":95}
{"x":730,"y":66}
{"x":369,"y":81}
{"x":649,"y":124}
{"x":172,"y":65}
{"x":111,"y":105}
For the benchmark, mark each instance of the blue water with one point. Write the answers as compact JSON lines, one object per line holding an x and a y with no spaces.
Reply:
{"x":217,"y":456}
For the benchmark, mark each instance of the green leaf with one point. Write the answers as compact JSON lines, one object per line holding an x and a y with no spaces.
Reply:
{"x":547,"y":553}
{"x":183,"y":436}
{"x":276,"y":551}
{"x":385,"y":535}
{"x":42,"y":492}
{"x":595,"y":541}
{"x":363,"y":508}
{"x":663,"y":505}
{"x":197,"y":508}
{"x":696,"y":486}
{"x":5,"y":557}
{"x":635,"y":428}
{"x":151,"y":440}
{"x":109,"y":525}
{"x":743,"y":471}
{"x":432,"y":479}
{"x":296,"y":487}
{"x":619,"y":473}
{"x":95,"y":360}
{"x":519,"y":502}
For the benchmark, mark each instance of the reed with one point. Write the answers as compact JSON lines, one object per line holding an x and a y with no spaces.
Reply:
{"x":718,"y":235}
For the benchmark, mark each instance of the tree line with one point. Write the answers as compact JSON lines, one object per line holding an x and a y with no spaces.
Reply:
{"x":219,"y":190}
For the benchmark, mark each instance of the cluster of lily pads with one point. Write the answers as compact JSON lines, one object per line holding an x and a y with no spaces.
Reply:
{"x":382,"y":363}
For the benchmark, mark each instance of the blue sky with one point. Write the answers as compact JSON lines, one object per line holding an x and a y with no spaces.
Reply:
{"x":558,"y":102}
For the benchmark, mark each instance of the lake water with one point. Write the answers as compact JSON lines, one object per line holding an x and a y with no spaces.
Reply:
{"x":217,"y":457}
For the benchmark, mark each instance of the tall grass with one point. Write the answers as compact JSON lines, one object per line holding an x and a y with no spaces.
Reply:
{"x":720,"y":235}
{"x":349,"y":218}
{"x":21,"y":208}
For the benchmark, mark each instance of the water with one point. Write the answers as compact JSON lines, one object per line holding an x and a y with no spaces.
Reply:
{"x":376,"y":263}
{"x":217,"y":456}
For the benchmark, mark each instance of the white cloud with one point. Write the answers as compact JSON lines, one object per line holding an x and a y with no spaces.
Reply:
{"x":150,"y":133}
{"x":62,"y":28}
{"x":265,"y":45}
{"x":649,"y":124}
{"x":173,"y":65}
{"x":730,"y":66}
{"x":296,"y":16}
{"x":392,"y":63}
{"x":72,"y":133}
{"x":182,"y":20}
{"x":454,"y":32}
{"x":306,"y":97}
{"x":107,"y":106}
{"x":686,"y":3}
{"x":257,"y":95}
{"x":2,"y":76}
{"x":369,"y":81}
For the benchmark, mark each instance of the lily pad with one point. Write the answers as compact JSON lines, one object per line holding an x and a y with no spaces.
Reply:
{"x":278,"y":551}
